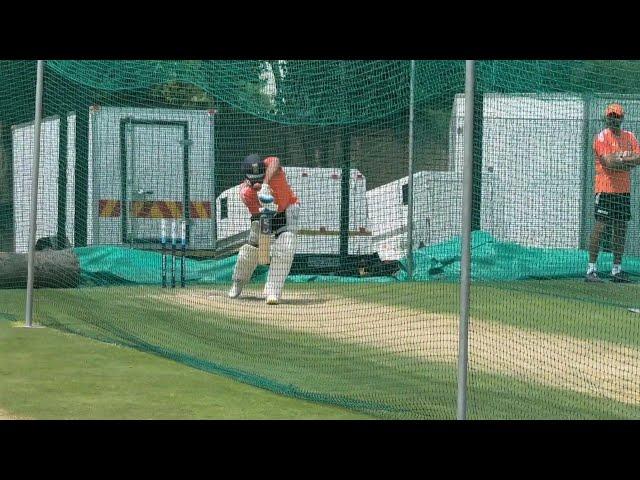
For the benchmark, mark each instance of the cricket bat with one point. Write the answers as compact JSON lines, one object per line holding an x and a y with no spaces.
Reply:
{"x":264,"y":240}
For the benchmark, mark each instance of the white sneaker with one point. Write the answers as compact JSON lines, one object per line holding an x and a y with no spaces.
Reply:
{"x":235,"y":291}
{"x":272,"y":300}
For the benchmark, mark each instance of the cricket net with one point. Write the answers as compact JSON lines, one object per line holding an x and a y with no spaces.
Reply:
{"x":367,"y":321}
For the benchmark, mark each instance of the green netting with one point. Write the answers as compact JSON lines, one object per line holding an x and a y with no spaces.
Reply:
{"x":128,"y":144}
{"x":492,"y":261}
{"x":297,"y":92}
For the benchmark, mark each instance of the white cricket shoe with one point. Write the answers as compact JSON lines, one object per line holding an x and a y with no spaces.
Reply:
{"x":272,"y":300}
{"x":236,"y":290}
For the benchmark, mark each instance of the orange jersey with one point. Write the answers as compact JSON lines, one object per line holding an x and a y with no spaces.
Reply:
{"x":282,"y":193}
{"x":606,"y":143}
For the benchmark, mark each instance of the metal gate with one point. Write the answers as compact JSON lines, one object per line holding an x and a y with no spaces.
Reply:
{"x":155,"y":177}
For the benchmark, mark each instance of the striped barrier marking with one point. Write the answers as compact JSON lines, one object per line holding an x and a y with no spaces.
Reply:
{"x":200,"y":210}
{"x":154,"y":209}
{"x":109,"y":208}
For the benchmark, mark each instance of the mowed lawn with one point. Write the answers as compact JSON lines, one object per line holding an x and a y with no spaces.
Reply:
{"x":47,"y":374}
{"x":81,"y":378}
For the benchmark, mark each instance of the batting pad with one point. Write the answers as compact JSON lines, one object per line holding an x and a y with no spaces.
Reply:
{"x":254,"y":233}
{"x":246,"y":264}
{"x":282,"y":252}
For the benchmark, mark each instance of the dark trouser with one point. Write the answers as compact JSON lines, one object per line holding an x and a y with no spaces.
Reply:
{"x":611,"y":210}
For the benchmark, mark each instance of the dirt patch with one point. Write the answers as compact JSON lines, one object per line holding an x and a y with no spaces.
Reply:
{"x":6,"y":416}
{"x":596,"y":368}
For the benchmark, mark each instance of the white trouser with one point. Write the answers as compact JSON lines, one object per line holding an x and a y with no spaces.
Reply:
{"x":282,"y":252}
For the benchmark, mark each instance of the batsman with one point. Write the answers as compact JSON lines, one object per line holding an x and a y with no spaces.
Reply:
{"x":274,"y":210}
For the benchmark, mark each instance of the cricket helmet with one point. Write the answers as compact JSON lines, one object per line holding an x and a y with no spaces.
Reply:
{"x":253,"y":168}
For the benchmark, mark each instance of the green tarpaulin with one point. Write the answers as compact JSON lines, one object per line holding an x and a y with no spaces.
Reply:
{"x":490,"y":261}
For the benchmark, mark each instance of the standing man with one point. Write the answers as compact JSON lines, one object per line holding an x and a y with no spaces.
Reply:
{"x":616,"y":153}
{"x":266,"y":186}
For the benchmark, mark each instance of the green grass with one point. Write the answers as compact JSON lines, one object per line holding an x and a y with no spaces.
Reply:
{"x":301,"y":366}
{"x":48,"y":374}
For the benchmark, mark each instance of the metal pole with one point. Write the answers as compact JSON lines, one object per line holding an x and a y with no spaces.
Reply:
{"x":35,"y":172}
{"x":410,"y":178}
{"x":214,"y":207}
{"x":344,"y":198}
{"x":465,"y":265}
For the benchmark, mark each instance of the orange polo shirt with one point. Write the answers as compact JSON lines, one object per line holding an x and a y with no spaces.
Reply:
{"x":282,"y":193}
{"x":606,"y":143}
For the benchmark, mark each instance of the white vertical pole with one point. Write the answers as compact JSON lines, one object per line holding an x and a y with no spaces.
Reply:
{"x":410,"y":178}
{"x":465,"y":265}
{"x":35,"y":172}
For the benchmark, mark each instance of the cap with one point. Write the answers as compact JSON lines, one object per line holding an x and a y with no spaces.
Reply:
{"x":614,"y":109}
